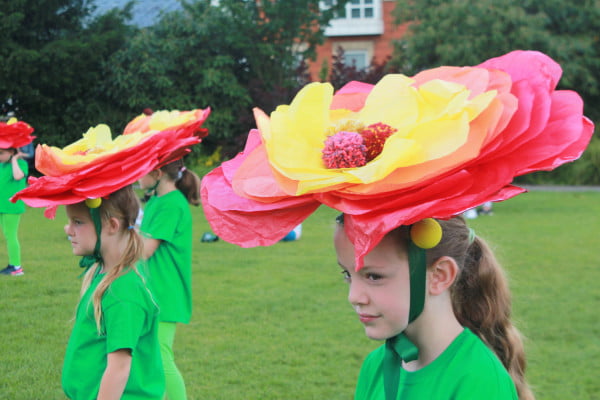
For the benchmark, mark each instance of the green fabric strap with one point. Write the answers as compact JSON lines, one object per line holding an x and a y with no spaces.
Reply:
{"x":89,"y":260}
{"x":397,"y":349}
{"x":417,"y":263}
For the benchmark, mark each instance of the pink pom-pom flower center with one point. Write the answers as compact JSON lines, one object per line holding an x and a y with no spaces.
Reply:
{"x":344,"y":150}
{"x":353,"y":149}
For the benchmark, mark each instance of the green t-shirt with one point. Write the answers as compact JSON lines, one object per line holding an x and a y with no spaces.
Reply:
{"x":129,"y":322}
{"x":9,"y":186}
{"x":466,"y":370}
{"x":168,"y":218}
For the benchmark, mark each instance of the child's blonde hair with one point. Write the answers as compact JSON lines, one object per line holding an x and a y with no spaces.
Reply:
{"x":123,"y":205}
{"x":481,"y":298}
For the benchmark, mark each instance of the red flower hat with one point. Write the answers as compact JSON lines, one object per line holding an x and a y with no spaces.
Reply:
{"x":96,"y":165}
{"x":453,"y":138}
{"x":15,"y":134}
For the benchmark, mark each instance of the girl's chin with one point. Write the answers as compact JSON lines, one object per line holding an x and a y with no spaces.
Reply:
{"x":380,"y":334}
{"x":374,"y":335}
{"x":80,"y":253}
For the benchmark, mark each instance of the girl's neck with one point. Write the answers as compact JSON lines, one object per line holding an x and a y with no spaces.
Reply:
{"x":432,"y":333}
{"x":165,"y":186}
{"x":112,"y":251}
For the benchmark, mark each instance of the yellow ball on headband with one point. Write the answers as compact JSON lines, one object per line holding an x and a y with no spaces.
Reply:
{"x":426,"y":233}
{"x":93,"y":203}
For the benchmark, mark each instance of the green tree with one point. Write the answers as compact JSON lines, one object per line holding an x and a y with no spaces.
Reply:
{"x":51,"y":61}
{"x":467,"y":32}
{"x":231,"y":57}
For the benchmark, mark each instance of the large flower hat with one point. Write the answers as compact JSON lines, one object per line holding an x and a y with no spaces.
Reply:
{"x":15,"y":134}
{"x":406,"y":149}
{"x":97,"y":165}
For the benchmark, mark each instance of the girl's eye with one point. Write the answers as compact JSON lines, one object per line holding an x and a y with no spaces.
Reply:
{"x":373,"y":277}
{"x":346,"y":275}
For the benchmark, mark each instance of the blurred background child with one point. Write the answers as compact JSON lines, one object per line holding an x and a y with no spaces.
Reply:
{"x":167,"y":230}
{"x":13,"y":177}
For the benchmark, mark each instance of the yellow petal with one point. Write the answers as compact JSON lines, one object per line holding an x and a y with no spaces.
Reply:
{"x":297,"y":131}
{"x":431,"y":121}
{"x":96,"y":142}
{"x":392,"y":101}
{"x":441,"y":137}
{"x":164,"y":119}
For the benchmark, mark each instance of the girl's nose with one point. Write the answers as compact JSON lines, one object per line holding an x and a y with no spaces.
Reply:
{"x":68,"y":229}
{"x":356,"y":294}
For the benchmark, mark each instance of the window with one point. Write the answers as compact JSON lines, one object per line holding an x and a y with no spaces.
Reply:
{"x":360,"y":17}
{"x":361,"y":9}
{"x":356,"y":58}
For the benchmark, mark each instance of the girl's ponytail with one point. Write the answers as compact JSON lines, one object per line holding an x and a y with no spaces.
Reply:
{"x":481,"y":298}
{"x":189,"y":185}
{"x":123,"y":205}
{"x":185,"y":180}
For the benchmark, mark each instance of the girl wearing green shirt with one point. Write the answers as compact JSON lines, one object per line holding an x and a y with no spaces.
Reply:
{"x":13,"y":177}
{"x":445,"y":317}
{"x":113,"y":349}
{"x":400,"y":160}
{"x":167,"y":230}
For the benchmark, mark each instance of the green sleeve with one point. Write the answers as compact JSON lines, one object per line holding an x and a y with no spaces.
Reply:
{"x":161,"y":223}
{"x":489,"y":386}
{"x":124,"y":325}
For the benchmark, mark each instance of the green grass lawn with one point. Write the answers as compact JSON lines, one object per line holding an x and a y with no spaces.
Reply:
{"x":274,"y":323}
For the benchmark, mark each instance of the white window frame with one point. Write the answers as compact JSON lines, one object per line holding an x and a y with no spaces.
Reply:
{"x":355,"y":53}
{"x":349,"y":26}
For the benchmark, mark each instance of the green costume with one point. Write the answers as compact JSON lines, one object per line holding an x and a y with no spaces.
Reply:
{"x":466,"y":370}
{"x":129,"y":321}
{"x":167,"y":218}
{"x":10,"y":213}
{"x":9,"y":186}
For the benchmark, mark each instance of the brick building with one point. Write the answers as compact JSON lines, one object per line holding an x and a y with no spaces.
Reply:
{"x":366,"y":30}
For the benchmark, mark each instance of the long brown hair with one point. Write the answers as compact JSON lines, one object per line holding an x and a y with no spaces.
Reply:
{"x":185,"y":180}
{"x":123,"y":205}
{"x":481,"y":297}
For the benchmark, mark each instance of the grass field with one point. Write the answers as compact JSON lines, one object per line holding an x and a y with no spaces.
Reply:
{"x":274,"y":323}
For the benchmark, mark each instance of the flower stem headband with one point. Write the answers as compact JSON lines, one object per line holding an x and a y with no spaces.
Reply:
{"x":396,"y":153}
{"x":89,"y":260}
{"x":97,"y":165}
{"x":15,"y":134}
{"x":408,"y":148}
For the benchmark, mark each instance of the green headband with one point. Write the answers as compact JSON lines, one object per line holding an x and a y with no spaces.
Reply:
{"x":399,"y":348}
{"x":89,"y":260}
{"x":417,"y":264}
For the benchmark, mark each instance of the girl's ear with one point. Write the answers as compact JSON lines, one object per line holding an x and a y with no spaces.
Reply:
{"x":113,"y":225}
{"x":441,"y":275}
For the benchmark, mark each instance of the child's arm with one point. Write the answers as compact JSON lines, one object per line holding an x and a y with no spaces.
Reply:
{"x":116,"y":374}
{"x":150,"y":246}
{"x":18,"y":174}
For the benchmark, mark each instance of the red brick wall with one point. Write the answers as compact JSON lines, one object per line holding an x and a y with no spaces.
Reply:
{"x":382,"y":44}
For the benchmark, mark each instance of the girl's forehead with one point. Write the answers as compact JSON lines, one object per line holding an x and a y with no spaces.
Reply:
{"x":77,"y":210}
